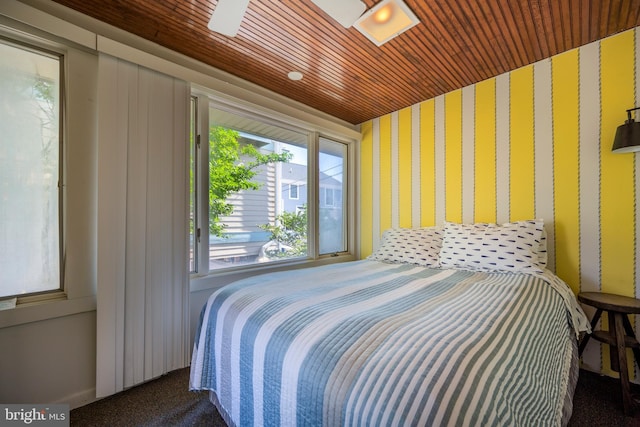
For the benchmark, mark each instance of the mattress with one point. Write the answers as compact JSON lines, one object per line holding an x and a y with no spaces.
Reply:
{"x":373,"y":343}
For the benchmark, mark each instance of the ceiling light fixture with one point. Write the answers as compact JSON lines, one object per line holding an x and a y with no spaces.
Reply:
{"x":386,"y":20}
{"x":383,"y":14}
{"x":345,"y":12}
{"x":295,"y":75}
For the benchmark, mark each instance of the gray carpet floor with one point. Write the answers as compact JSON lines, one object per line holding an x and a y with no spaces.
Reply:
{"x":167,"y":401}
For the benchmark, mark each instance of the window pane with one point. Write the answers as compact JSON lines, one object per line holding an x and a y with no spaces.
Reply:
{"x":252,"y":167}
{"x":29,"y":171}
{"x":332,"y":182}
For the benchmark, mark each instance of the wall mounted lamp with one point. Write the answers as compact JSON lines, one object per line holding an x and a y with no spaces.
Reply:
{"x":627,"y":138}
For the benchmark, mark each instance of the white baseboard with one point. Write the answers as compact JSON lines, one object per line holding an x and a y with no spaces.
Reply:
{"x":79,"y":399}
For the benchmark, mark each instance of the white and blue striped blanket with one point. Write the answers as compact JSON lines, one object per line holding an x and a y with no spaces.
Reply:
{"x":368,"y":343}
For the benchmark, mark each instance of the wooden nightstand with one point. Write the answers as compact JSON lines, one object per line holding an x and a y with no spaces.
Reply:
{"x":619,"y":336}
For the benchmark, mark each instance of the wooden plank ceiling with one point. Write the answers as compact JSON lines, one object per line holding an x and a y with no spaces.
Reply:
{"x":457,"y":43}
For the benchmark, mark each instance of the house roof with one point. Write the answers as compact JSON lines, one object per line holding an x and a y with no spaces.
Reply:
{"x":457,"y":43}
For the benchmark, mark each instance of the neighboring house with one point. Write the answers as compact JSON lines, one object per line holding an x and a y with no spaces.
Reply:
{"x":253,"y":208}
{"x":294,"y":198}
{"x":294,"y":187}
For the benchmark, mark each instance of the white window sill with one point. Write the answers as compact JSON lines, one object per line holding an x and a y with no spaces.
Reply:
{"x":216,"y":279}
{"x":44,"y":310}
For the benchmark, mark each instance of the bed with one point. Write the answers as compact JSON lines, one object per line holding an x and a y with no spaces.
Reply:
{"x":419,"y":333}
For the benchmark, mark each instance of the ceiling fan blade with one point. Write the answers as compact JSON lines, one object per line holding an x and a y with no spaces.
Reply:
{"x":346,"y":12}
{"x":227,"y":16}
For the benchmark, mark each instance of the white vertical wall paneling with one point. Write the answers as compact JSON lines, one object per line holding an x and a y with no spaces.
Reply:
{"x":136,"y":225}
{"x":502,"y":148}
{"x":375,"y":169}
{"x":151,"y":143}
{"x":146,"y":322}
{"x":156,"y":240}
{"x":177,"y":296}
{"x":125,"y":120}
{"x":175,"y":261}
{"x":395,"y":209}
{"x":468,"y":152}
{"x":543,"y":137}
{"x":440,"y":160}
{"x":180,"y":243}
{"x":589,"y":113}
{"x":112,"y":182}
{"x":415,"y":166}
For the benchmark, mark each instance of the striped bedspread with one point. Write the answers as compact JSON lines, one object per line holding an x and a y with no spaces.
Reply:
{"x":368,"y":343}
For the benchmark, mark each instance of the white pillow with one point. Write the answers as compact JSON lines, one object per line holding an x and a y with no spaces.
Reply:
{"x":410,"y":246}
{"x":510,"y":247}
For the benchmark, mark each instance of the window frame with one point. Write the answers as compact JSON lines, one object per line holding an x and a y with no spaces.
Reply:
{"x":45,"y":48}
{"x":203,"y":279}
{"x":194,"y":161}
{"x":348,"y":205}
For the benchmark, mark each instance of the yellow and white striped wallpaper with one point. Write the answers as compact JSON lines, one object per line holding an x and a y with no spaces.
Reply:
{"x":531,"y":143}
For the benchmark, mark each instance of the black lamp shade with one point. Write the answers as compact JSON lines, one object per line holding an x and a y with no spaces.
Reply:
{"x":627,"y":138}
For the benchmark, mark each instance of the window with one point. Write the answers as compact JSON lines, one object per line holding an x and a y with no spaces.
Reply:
{"x":257,"y":189}
{"x":293,"y":191}
{"x":332,"y":183}
{"x":329,"y":197}
{"x":250,"y":166}
{"x":30,"y":148}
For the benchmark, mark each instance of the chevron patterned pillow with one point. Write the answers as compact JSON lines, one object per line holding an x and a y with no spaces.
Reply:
{"x":510,"y":247}
{"x":419,"y":246}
